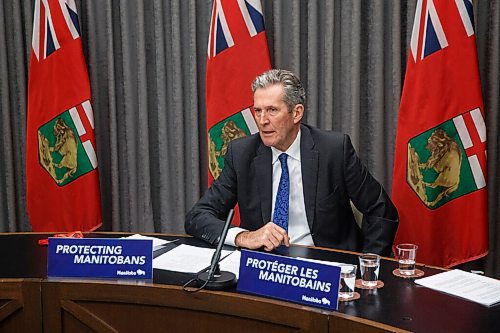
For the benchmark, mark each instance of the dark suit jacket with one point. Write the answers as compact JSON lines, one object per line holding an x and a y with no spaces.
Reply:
{"x":332,"y":176}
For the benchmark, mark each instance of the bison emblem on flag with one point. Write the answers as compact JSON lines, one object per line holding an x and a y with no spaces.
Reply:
{"x":63,"y":150}
{"x":445,"y":163}
{"x":236,"y":126}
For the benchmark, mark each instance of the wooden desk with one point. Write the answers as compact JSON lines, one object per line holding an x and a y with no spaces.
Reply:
{"x":114,"y":307}
{"x":161,"y":306}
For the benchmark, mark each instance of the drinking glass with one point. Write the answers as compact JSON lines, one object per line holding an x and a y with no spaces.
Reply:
{"x":347,"y":281}
{"x":406,"y":254}
{"x":369,"y":267}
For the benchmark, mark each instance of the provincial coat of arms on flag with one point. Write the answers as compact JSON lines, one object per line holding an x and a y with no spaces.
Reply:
{"x":235,"y":126}
{"x":61,"y":149}
{"x":441,"y":163}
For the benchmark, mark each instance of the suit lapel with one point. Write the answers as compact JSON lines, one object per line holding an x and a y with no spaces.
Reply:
{"x":309,"y":162}
{"x":264,"y":172}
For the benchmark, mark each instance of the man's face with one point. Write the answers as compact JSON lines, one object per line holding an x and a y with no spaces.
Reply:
{"x":277,"y":127}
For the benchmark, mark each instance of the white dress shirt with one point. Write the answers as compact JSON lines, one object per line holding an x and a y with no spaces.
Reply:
{"x":298,"y":228}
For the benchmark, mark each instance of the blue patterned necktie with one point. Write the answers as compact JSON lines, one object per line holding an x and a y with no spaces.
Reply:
{"x":281,"y":205}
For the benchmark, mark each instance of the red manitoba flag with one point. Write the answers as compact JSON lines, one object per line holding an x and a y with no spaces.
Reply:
{"x":237,"y":53}
{"x":62,"y":182}
{"x":439,"y":180}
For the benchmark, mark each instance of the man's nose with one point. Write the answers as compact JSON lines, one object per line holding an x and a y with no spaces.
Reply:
{"x":263,"y":118}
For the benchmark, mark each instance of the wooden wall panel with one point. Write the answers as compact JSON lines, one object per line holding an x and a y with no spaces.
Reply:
{"x":20,"y":305}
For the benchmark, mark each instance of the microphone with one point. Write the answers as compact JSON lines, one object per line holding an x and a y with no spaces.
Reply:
{"x":214,"y":278}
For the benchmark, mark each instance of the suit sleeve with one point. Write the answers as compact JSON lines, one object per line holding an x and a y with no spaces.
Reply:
{"x":206,"y":218}
{"x":380,"y":217}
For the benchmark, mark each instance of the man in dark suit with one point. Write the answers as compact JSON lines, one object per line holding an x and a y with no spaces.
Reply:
{"x":322,"y":173}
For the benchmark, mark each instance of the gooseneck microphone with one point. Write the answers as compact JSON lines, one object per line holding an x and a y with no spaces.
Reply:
{"x":214,"y":278}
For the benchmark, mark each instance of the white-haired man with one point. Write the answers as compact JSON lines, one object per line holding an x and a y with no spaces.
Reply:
{"x":294,"y":183}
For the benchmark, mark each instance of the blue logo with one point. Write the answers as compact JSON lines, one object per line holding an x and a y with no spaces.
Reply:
{"x":100,"y":258}
{"x":289,"y":279}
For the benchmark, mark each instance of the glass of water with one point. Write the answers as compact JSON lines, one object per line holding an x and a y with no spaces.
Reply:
{"x":406,"y":254}
{"x":369,"y":266}
{"x":347,"y":281}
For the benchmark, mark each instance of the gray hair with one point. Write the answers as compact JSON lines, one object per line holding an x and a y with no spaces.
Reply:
{"x":293,"y":91}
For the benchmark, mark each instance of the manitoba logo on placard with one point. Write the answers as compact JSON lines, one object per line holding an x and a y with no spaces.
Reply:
{"x":236,"y":126}
{"x":449,"y":160}
{"x":65,"y":150}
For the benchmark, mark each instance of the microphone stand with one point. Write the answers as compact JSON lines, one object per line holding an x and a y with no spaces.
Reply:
{"x":214,"y":278}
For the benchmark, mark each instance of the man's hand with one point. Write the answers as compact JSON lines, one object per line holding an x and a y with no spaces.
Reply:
{"x":269,"y":236}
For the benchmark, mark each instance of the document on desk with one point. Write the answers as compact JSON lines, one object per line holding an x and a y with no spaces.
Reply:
{"x":186,"y":259}
{"x":324,"y":262}
{"x":473,"y":287}
{"x":158,"y":243}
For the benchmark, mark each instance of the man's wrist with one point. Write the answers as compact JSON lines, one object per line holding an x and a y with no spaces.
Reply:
{"x":231,"y":235}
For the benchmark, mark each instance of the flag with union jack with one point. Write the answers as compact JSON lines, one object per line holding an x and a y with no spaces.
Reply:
{"x":237,"y":53}
{"x":439,"y":180}
{"x":62,"y":183}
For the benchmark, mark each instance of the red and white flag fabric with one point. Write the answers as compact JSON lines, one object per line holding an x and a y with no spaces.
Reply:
{"x":237,"y":53}
{"x":62,"y":183}
{"x":439,"y":180}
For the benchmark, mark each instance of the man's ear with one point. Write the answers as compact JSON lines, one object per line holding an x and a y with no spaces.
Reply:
{"x":298,"y":113}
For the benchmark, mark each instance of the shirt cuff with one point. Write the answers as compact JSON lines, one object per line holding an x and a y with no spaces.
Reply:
{"x":231,"y":235}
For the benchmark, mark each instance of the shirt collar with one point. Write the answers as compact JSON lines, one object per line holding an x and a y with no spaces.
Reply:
{"x":293,"y":151}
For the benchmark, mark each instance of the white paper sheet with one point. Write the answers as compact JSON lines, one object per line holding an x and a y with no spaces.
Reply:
{"x":186,"y":259}
{"x":473,"y":287}
{"x":324,"y":262}
{"x":158,"y":243}
{"x":231,"y":263}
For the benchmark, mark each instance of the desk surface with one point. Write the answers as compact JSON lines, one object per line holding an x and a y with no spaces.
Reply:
{"x":400,"y":303}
